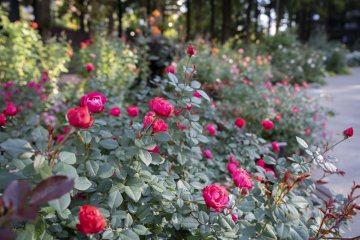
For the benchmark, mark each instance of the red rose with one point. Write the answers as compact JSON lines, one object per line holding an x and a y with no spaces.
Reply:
{"x":232,"y":166}
{"x":80,"y":117}
{"x":348,"y":132}
{"x":191,"y":50}
{"x":90,"y":67}
{"x":133,"y":111}
{"x":11,"y":110}
{"x":275,"y":146}
{"x":170,"y":69}
{"x":240,"y":122}
{"x":197,"y":95}
{"x":242,"y":180}
{"x":115,"y":111}
{"x":161,"y":107}
{"x":159,"y":125}
{"x":267,"y":124}
{"x":215,"y":196}
{"x":94,"y":101}
{"x":211,"y":129}
{"x":2,"y":119}
{"x":91,"y":220}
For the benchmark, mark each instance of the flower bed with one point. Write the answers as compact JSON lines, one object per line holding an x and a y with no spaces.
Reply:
{"x":166,"y":162}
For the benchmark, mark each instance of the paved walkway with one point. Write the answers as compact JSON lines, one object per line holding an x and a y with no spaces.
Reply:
{"x":342,"y":94}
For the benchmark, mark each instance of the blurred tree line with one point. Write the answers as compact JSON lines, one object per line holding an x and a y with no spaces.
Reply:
{"x":216,"y":20}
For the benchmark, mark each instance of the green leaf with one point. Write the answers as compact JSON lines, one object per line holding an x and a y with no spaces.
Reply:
{"x":92,"y":168}
{"x":39,"y":227}
{"x":302,"y":142}
{"x":269,"y":232}
{"x":128,"y":235}
{"x":269,"y":160}
{"x":195,"y":84}
{"x":283,"y":231}
{"x":61,"y":203}
{"x":114,"y":200}
{"x":105,"y":171}
{"x":299,"y":201}
{"x":141,"y":230}
{"x":162,"y":136}
{"x":133,"y":189}
{"x":203,"y":94}
{"x":108,"y":234}
{"x":27,"y":234}
{"x":203,"y":217}
{"x":17,"y":147}
{"x":145,"y":156}
{"x":189,"y":223}
{"x":226,"y":222}
{"x":299,"y":233}
{"x":82,"y":183}
{"x":109,"y":144}
{"x":67,"y":157}
{"x":86,"y":136}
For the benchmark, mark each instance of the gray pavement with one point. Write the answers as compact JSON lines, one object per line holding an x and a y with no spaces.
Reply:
{"x":342,"y":94}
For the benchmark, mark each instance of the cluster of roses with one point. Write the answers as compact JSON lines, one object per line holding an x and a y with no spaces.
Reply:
{"x":217,"y":197}
{"x":9,"y":90}
{"x":160,"y":108}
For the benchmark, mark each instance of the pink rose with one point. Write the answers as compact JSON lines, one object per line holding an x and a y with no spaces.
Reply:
{"x":211,"y":129}
{"x":159,"y":125}
{"x":94,"y":101}
{"x":278,"y":117}
{"x":44,"y":78}
{"x":161,"y":107}
{"x":216,"y":197}
{"x":115,"y":111}
{"x":242,"y":179}
{"x":275,"y":146}
{"x":90,"y":67}
{"x":11,"y":110}
{"x":240,"y":122}
{"x":267,"y":124}
{"x":208,"y":154}
{"x":60,"y":138}
{"x":32,"y":84}
{"x":295,"y":109}
{"x":133,"y":111}
{"x":149,"y":119}
{"x":232,"y":166}
{"x":170,"y":69}
{"x":2,"y":119}
{"x":307,"y":131}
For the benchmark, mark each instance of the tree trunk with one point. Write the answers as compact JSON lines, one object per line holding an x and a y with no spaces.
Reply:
{"x":111,"y":22}
{"x":120,"y":16}
{"x":248,"y":20}
{"x":227,"y":20}
{"x":212,"y":19}
{"x":188,"y":20}
{"x":82,"y":16}
{"x":198,"y":17}
{"x":14,"y":14}
{"x":35,"y":5}
{"x":256,"y":24}
{"x":45,"y":19}
{"x":278,"y":15}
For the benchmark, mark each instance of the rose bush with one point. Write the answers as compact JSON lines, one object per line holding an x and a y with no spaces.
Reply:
{"x":158,"y":172}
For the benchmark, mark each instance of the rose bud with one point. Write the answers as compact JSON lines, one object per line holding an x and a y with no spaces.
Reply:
{"x":170,"y":69}
{"x":275,"y":146}
{"x":267,"y":124}
{"x":208,"y":154}
{"x":159,"y":125}
{"x":90,"y":67}
{"x":211,"y":129}
{"x":80,"y":117}
{"x":133,"y":111}
{"x":91,"y":220}
{"x":115,"y":111}
{"x":348,"y":132}
{"x":191,"y":50}
{"x":240,"y":122}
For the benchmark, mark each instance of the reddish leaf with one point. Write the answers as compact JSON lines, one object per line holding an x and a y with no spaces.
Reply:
{"x":50,"y":189}
{"x":7,"y":234}
{"x":16,"y":194}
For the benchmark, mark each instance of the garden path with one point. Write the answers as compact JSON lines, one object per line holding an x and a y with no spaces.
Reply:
{"x":342,"y":94}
